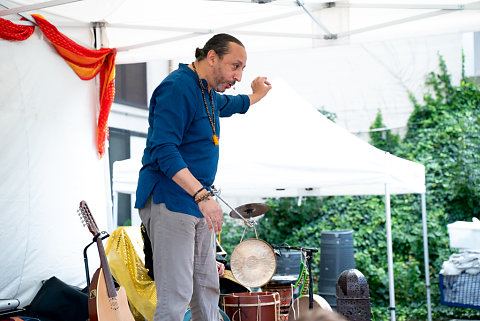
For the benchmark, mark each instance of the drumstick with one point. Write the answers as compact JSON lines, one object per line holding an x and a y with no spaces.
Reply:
{"x":250,"y":223}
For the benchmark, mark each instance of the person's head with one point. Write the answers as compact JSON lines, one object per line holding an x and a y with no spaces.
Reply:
{"x":321,"y":315}
{"x":225,"y":58}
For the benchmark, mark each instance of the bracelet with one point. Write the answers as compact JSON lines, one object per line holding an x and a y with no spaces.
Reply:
{"x":195,"y":195}
{"x":202,"y":197}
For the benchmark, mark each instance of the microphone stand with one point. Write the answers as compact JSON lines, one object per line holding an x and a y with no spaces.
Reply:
{"x":309,"y":256}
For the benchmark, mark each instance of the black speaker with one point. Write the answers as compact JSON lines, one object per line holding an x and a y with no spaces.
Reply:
{"x":336,"y":256}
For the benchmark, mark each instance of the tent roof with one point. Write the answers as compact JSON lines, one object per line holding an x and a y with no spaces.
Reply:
{"x":284,"y":147}
{"x":145,"y":30}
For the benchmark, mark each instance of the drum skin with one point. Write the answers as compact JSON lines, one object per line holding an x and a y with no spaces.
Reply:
{"x":252,"y":306}
{"x":300,"y":306}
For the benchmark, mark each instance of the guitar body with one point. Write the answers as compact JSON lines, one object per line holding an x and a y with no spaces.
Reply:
{"x":103,"y":308}
{"x":105,"y":303}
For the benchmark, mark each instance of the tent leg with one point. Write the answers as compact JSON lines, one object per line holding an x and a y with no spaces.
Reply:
{"x":391,"y":287}
{"x":425,"y":254}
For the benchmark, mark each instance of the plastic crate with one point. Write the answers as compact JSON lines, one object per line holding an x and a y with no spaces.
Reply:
{"x":464,"y":235}
{"x":460,"y":290}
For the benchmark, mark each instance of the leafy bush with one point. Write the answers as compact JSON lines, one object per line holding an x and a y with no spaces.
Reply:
{"x":444,"y":135}
{"x":381,"y":137}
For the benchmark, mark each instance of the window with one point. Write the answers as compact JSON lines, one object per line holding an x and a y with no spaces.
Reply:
{"x":119,"y":149}
{"x":131,"y":85}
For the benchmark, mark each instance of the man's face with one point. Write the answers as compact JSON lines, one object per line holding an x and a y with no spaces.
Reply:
{"x":229,"y":69}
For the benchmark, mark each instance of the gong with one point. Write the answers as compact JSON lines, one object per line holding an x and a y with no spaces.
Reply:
{"x":253,"y":263}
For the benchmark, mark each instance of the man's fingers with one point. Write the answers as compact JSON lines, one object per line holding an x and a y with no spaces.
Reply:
{"x":220,"y":269}
{"x":218,"y":226}
{"x":215,"y":224}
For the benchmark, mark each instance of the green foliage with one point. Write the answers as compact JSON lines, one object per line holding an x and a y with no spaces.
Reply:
{"x":444,"y":135}
{"x":328,"y":114}
{"x":381,"y":137}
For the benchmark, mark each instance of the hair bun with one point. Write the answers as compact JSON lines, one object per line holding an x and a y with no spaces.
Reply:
{"x":198,"y":52}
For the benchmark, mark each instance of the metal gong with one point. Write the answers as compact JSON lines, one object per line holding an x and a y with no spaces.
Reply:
{"x":253,"y":263}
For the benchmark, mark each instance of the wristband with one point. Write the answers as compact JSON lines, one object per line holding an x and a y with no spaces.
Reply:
{"x":202,"y":197}
{"x":196,"y":193}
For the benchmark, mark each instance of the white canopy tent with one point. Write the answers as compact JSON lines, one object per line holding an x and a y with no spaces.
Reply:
{"x":48,"y":165}
{"x":146,"y":30}
{"x":284,"y":147}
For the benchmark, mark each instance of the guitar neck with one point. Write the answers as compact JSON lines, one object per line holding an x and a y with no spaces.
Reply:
{"x":106,"y":269}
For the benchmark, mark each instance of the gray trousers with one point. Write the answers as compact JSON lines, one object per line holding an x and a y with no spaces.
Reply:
{"x":184,"y":264}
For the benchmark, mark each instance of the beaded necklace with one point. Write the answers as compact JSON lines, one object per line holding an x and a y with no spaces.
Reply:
{"x":210,"y":118}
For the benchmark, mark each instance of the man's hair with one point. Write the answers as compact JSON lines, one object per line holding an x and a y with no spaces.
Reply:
{"x":220,"y":43}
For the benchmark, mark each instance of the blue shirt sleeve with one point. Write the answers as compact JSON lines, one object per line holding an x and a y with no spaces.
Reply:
{"x":172,"y":112}
{"x":229,"y":105}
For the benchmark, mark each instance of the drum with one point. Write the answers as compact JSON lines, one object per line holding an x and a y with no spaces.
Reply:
{"x":300,"y":306}
{"x":252,"y":306}
{"x":282,"y":285}
{"x":223,"y":316}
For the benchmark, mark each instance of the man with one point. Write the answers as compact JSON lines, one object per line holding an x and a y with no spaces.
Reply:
{"x":179,"y":164}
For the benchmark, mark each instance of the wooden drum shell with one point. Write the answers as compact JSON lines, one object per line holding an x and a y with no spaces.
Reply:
{"x":285,"y":291}
{"x":252,"y":306}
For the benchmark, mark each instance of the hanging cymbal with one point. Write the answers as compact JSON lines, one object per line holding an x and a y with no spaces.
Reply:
{"x":250,"y":210}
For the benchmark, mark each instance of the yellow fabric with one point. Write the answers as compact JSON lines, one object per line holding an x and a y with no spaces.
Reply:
{"x":127,"y":263}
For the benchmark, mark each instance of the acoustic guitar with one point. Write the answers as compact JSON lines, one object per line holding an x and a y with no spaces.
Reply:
{"x":105,"y":302}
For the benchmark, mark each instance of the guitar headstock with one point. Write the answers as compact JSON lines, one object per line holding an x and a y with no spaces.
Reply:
{"x":87,"y":218}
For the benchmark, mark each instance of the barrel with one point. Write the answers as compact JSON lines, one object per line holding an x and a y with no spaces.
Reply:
{"x":336,"y":256}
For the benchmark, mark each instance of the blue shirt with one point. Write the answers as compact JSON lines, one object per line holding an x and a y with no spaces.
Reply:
{"x":180,"y":136}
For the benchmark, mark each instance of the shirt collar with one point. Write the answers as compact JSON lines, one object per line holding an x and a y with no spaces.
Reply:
{"x":193,"y":74}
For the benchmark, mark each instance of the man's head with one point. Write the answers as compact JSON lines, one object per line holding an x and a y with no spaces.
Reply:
{"x":225,"y":58}
{"x":321,"y":315}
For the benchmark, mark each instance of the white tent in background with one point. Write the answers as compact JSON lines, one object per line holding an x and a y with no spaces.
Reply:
{"x":284,"y":147}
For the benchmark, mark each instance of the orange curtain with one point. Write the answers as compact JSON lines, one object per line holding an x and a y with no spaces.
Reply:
{"x":85,"y":62}
{"x":12,"y":31}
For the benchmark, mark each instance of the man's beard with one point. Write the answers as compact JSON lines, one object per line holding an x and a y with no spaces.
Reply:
{"x":220,"y":83}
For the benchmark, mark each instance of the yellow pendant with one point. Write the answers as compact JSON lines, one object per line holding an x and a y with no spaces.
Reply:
{"x":215,"y":140}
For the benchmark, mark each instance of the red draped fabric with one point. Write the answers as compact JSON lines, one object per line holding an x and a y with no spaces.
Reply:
{"x":85,"y":63}
{"x":12,"y":31}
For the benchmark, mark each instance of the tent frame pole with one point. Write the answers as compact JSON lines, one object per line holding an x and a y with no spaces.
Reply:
{"x":112,"y":205}
{"x":391,"y":287}
{"x":394,"y":22}
{"x":31,"y":7}
{"x":318,"y":23}
{"x":425,"y":254}
{"x":399,"y":5}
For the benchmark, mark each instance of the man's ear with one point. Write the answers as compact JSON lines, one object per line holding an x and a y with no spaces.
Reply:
{"x":212,"y":57}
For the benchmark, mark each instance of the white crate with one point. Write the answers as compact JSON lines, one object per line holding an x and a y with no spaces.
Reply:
{"x":464,"y":235}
